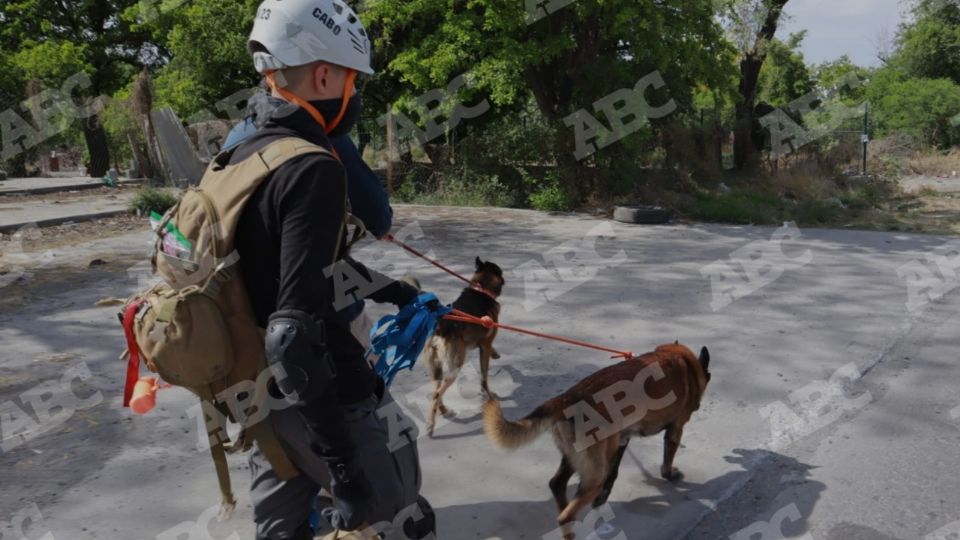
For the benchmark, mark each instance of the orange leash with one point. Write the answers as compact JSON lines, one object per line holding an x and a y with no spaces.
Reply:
{"x":473,"y":285}
{"x":487,"y":322}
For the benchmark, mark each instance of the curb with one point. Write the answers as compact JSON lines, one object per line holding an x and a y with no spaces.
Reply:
{"x":65,"y":219}
{"x":67,"y":188}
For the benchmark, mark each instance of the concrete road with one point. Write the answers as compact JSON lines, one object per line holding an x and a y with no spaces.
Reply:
{"x":60,"y":183}
{"x":832,"y":414}
{"x":53,"y":210}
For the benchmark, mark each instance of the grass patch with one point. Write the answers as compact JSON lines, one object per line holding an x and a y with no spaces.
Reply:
{"x":471,"y":191}
{"x":152,"y":200}
{"x":758,"y":208}
{"x":551,"y":195}
{"x":815,"y":212}
{"x":743,"y":208}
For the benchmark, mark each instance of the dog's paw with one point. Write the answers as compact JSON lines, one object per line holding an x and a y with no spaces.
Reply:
{"x":442,"y":409}
{"x":495,"y":355}
{"x":672,"y":475}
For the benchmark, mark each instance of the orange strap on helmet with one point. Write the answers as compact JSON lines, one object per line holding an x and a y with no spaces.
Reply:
{"x":348,"y":87}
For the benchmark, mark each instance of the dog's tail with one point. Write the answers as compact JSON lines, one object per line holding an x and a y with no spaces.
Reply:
{"x":510,"y":435}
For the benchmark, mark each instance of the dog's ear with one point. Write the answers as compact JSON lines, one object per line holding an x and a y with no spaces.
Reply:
{"x":479,"y":263}
{"x":704,"y":359}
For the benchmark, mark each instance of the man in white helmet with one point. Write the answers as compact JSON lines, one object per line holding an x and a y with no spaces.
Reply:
{"x":290,"y":232}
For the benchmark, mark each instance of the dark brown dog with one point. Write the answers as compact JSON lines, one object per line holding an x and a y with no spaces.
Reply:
{"x":593,"y":421}
{"x":447,"y":349}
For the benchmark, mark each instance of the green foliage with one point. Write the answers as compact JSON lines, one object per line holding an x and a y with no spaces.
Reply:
{"x":470,"y":189}
{"x":927,"y":46}
{"x":842,"y":79}
{"x":865,"y":197}
{"x":743,"y":208}
{"x":119,"y":121}
{"x":52,"y":62}
{"x":565,"y":61}
{"x":917,"y":92}
{"x":784,"y":76}
{"x":84,"y":34}
{"x":55,"y":40}
{"x":206,"y":40}
{"x":552,"y":195}
{"x":152,"y":200}
{"x":922,"y":108}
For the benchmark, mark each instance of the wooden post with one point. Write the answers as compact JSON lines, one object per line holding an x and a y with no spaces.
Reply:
{"x":390,"y":149}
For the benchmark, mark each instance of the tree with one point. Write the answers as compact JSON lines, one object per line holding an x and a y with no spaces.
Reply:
{"x":751,"y":25}
{"x":202,"y":53}
{"x":784,"y":76}
{"x":929,"y":45}
{"x":835,"y":80}
{"x":110,"y":49}
{"x":921,"y":108}
{"x":566,"y":60}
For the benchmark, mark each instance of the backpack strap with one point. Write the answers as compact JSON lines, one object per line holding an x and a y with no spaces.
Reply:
{"x":219,"y":455}
{"x":280,"y":151}
{"x":269,"y":444}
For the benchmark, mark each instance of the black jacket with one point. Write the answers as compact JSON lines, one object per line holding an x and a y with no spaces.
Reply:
{"x":286,"y":237}
{"x":368,"y":199}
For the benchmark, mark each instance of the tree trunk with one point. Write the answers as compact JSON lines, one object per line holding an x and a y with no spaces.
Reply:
{"x":140,"y":155}
{"x":744,"y":149}
{"x":439,"y":154}
{"x":96,"y":139}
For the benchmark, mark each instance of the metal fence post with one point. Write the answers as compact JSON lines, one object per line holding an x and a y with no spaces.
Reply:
{"x":865,"y":139}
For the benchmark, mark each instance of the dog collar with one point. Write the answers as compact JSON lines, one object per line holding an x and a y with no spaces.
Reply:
{"x":479,"y":288}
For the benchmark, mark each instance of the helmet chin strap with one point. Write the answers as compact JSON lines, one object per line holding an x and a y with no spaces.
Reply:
{"x":348,"y":87}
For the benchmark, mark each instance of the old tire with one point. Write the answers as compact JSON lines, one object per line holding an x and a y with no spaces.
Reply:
{"x":641,"y":215}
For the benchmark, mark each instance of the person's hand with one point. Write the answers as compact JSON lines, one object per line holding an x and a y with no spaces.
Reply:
{"x":352,"y":497}
{"x":434,"y":305}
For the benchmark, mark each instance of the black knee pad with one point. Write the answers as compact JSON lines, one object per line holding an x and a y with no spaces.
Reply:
{"x":297,"y":356}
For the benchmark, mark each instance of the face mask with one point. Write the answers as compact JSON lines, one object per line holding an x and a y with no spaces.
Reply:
{"x":330,"y":108}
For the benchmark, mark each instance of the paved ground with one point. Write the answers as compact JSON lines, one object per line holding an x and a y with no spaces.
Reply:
{"x":833,"y":410}
{"x":60,"y":208}
{"x":912,"y":184}
{"x":51,"y":184}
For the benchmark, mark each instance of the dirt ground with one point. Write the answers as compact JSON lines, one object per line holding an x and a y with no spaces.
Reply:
{"x":105,"y":192}
{"x":37,"y":239}
{"x":38,"y":261}
{"x":930,"y":204}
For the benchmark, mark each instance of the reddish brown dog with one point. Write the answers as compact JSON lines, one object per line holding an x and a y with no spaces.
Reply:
{"x":593,"y":421}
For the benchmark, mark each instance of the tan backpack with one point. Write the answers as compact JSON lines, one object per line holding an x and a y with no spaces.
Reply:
{"x":196,"y":328}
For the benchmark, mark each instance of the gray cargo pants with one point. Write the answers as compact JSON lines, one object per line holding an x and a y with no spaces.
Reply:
{"x":387,"y":450}
{"x":280,"y":508}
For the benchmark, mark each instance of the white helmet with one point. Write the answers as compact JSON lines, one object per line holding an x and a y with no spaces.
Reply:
{"x":297,"y":32}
